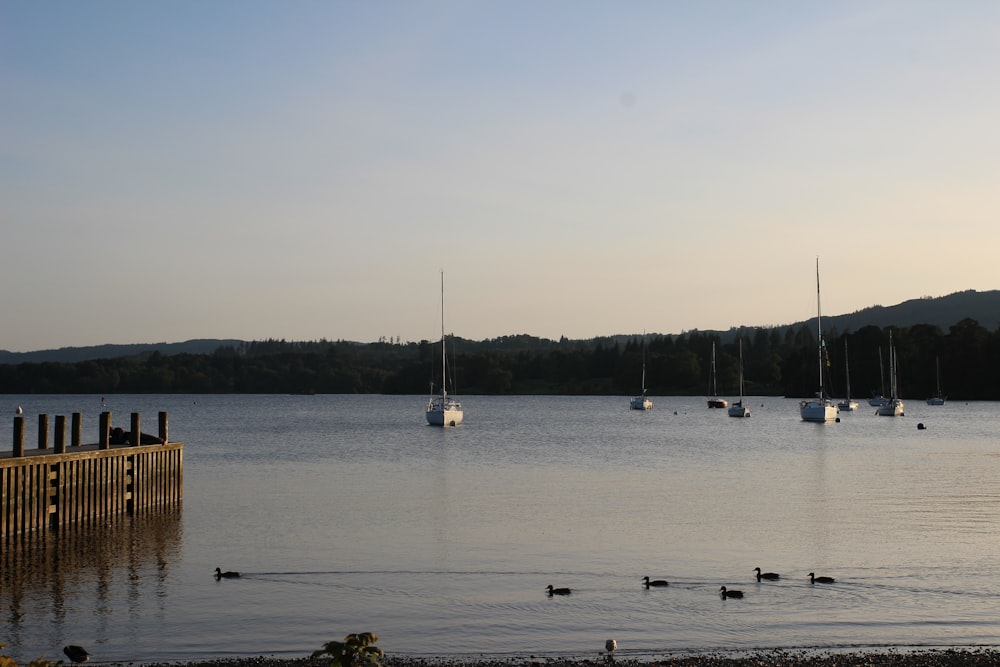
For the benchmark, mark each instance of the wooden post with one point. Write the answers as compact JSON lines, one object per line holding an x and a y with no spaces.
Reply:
{"x":77,"y":429}
{"x":104,"y":431}
{"x":136,"y":437}
{"x":43,"y":431}
{"x":60,"y":434}
{"x":18,"y":436}
{"x":163,"y":427}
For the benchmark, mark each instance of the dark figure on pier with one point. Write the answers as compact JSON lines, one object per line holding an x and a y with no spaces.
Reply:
{"x":120,"y":436}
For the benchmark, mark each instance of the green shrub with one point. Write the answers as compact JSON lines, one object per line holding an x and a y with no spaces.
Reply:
{"x":354,"y":651}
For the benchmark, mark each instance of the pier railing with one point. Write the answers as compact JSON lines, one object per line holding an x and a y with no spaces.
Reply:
{"x":124,"y":472}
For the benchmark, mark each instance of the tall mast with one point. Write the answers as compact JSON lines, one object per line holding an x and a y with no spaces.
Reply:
{"x":819,"y":332}
{"x":444,"y":377}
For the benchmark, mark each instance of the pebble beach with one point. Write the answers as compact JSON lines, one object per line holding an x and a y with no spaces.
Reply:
{"x":964,"y":657}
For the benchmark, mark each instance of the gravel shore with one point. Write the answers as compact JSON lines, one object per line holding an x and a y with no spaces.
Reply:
{"x":965,"y":657}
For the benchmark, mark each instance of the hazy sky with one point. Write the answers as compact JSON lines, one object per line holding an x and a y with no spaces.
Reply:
{"x":305,"y":169}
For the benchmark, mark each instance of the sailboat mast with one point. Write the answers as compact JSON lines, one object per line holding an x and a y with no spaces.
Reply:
{"x":819,"y":332}
{"x":847,"y":371}
{"x":644,"y":364}
{"x":444,"y":377}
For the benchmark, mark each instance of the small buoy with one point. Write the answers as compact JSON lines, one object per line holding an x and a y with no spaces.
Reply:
{"x":920,"y":426}
{"x":837,"y":421}
{"x":610,"y":645}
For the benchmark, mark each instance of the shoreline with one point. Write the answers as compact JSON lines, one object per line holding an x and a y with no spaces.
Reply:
{"x":887,"y":657}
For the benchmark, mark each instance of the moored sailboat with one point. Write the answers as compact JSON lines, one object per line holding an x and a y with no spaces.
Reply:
{"x":642,"y":402}
{"x":848,"y":403}
{"x":893,"y":406}
{"x":878,"y":400}
{"x":714,"y":400}
{"x":938,"y":398}
{"x":820,"y":408}
{"x":737,"y":409}
{"x":443,"y":410}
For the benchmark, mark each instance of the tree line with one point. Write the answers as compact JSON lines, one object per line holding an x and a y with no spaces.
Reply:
{"x":776,"y":362}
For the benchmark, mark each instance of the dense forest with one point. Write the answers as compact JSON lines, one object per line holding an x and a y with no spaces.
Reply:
{"x":777,"y":361}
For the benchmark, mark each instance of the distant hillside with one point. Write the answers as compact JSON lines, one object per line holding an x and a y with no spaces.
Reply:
{"x":944,"y":312}
{"x":76,"y":354}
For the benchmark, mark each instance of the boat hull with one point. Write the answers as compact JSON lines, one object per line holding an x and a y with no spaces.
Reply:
{"x":817,"y":411}
{"x":718,"y":403}
{"x":640,"y":403}
{"x":936,"y":400}
{"x":444,"y":412}
{"x":444,"y":417}
{"x":892,"y":408}
{"x":849,"y":405}
{"x":737,"y":409}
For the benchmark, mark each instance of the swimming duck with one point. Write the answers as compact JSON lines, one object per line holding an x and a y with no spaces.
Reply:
{"x":558,"y":591}
{"x":76,"y":653}
{"x":730,"y":594}
{"x":770,"y":576}
{"x":219,"y":574}
{"x":654,"y":582}
{"x":813,"y":579}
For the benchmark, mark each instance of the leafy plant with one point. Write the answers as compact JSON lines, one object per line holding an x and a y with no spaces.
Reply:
{"x":354,"y":651}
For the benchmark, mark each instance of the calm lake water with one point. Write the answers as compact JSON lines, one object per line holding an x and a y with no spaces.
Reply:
{"x":350,"y":514}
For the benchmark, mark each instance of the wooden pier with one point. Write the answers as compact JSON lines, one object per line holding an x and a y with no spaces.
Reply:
{"x":52,"y":489}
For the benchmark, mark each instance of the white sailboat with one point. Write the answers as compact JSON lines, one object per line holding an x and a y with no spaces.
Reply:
{"x":443,"y":410}
{"x":848,"y":403}
{"x":893,"y":406}
{"x":737,"y":409}
{"x":642,"y":402}
{"x":938,"y":398}
{"x":714,"y":401}
{"x":820,"y":408}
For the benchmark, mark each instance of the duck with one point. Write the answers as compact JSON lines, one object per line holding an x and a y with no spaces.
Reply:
{"x":730,"y":594}
{"x":770,"y":576}
{"x":654,"y":582}
{"x":76,"y":653}
{"x":813,"y":579}
{"x":219,"y":574}
{"x":558,"y":591}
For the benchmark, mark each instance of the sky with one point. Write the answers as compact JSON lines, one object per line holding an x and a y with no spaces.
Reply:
{"x":306,"y":170}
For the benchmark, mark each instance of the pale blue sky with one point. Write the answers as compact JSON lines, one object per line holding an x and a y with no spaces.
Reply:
{"x":305,"y":169}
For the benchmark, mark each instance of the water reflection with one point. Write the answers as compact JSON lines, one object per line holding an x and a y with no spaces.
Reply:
{"x":48,"y":578}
